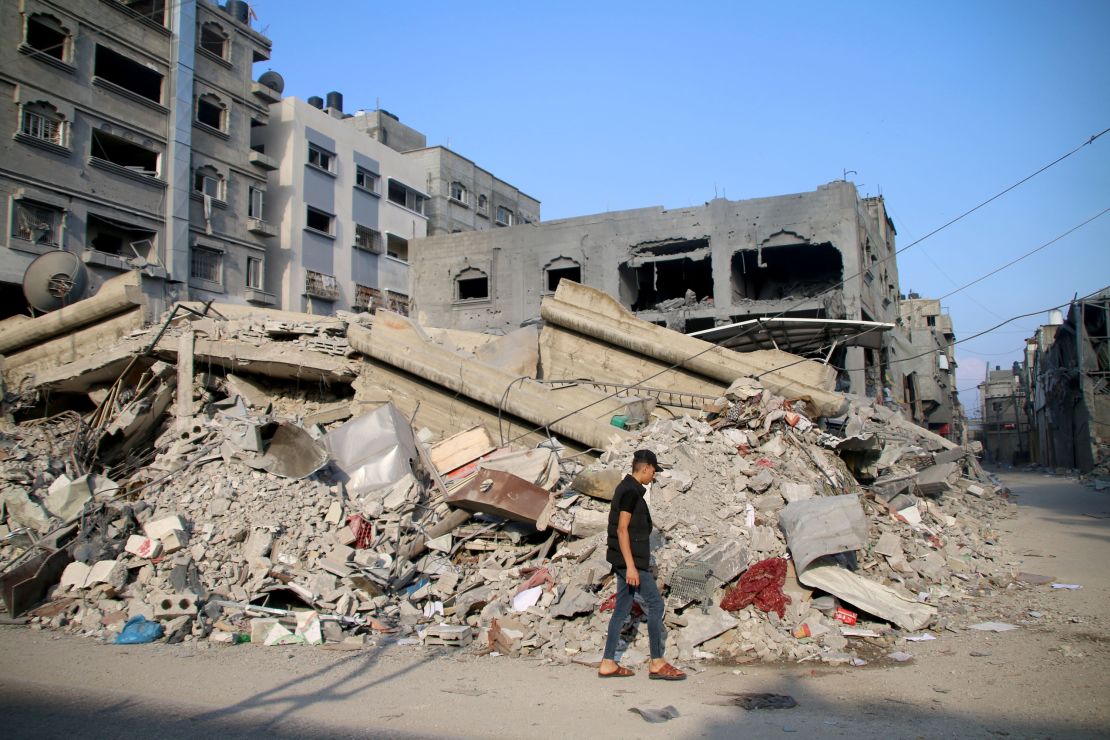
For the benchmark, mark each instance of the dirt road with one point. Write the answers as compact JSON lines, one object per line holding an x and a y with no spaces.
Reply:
{"x":1048,"y":678}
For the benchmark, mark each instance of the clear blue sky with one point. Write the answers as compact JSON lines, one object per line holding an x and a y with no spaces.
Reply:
{"x":610,"y":105}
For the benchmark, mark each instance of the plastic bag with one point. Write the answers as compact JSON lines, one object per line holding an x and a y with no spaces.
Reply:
{"x":138,"y":631}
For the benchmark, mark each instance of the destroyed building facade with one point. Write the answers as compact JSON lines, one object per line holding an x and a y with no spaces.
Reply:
{"x":687,"y":268}
{"x":924,"y":349}
{"x":1004,"y":425}
{"x":129,"y":145}
{"x":1067,"y":372}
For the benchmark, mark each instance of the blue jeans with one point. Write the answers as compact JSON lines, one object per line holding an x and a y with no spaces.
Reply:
{"x":649,"y":594}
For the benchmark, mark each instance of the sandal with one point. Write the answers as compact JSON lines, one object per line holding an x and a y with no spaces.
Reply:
{"x":621,"y":672}
{"x":667,"y":673}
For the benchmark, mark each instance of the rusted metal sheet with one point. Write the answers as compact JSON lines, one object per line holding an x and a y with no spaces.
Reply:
{"x":505,"y":495}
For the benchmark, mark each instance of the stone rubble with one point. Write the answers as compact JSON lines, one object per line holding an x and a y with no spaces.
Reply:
{"x":198,"y":534}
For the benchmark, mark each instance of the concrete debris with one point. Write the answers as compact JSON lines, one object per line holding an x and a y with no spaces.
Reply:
{"x":312,"y":481}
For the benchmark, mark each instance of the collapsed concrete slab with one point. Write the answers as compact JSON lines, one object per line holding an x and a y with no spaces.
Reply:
{"x":593,"y":313}
{"x":399,"y":341}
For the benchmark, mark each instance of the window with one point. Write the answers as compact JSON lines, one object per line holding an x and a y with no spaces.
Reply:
{"x":366,"y":297}
{"x":471,"y":284}
{"x":211,"y":112}
{"x":254,"y":202}
{"x":110,"y":236}
{"x":154,"y":10}
{"x":43,"y":122}
{"x":368,"y":239}
{"x":483,"y":205}
{"x":366,"y":180}
{"x":36,"y":223}
{"x":207,"y":181}
{"x":254,"y":273}
{"x":559,"y":269}
{"x":122,"y":152}
{"x":45,"y":34}
{"x":213,"y":40}
{"x":321,"y":158}
{"x":320,"y":285}
{"x":128,"y":74}
{"x":206,"y":264}
{"x":458,"y":193}
{"x":397,"y":247}
{"x":504,"y":216}
{"x":318,"y":220}
{"x":405,"y":196}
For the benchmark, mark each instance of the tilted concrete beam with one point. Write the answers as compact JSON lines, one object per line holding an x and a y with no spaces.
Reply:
{"x":596,"y":314}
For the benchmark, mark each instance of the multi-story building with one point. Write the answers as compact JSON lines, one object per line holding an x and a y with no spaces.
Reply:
{"x":129,"y":124}
{"x":346,"y":208}
{"x":461,"y":195}
{"x":1067,"y":371}
{"x":924,"y":351}
{"x":827,"y":254}
{"x":1004,"y":421}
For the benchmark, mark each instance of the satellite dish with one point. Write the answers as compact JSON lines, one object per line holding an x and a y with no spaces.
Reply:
{"x":55,"y":279}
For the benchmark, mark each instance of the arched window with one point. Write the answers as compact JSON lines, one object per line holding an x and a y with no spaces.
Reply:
{"x":42,"y":121}
{"x":483,"y":205}
{"x":213,"y":39}
{"x":212,"y":112}
{"x":458,"y":192}
{"x":208,"y":181}
{"x":560,"y":268}
{"x":471,"y":285}
{"x":46,"y":35}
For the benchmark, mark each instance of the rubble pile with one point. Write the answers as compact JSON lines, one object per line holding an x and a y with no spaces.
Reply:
{"x":269,"y":508}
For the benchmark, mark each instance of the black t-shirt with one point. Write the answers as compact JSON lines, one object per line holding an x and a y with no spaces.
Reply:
{"x":629,"y":496}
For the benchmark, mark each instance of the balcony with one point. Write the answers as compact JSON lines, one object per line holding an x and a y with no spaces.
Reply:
{"x":319,"y":285}
{"x":261,"y":297}
{"x":266,"y":94}
{"x":260,"y":227}
{"x":258,"y":159}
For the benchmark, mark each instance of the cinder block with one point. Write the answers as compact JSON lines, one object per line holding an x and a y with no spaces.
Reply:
{"x":171,"y":606}
{"x":174,"y":540}
{"x":144,"y":547}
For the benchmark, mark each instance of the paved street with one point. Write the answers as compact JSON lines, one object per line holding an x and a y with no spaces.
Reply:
{"x":1049,"y":678}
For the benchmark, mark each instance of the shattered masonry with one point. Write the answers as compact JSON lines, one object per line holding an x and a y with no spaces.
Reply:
{"x":235,"y":473}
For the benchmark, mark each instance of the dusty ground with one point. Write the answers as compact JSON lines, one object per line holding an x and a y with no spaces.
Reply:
{"x":1048,"y":679}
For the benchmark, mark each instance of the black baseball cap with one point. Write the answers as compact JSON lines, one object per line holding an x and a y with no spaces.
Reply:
{"x":646,"y":456}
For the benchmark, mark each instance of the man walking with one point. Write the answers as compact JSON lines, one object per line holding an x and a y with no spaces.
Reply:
{"x":628,"y":553}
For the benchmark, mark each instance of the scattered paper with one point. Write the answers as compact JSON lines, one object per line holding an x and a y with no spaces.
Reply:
{"x":923,"y":637}
{"x":656,"y":715}
{"x":900,"y":656}
{"x":1068,"y":586}
{"x":527,"y":598}
{"x":992,"y":627}
{"x":858,"y":632}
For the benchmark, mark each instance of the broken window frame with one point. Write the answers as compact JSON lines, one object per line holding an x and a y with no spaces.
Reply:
{"x":560,"y":265}
{"x":206,"y":264}
{"x":256,"y":273}
{"x":256,"y":202}
{"x":458,"y":193}
{"x":98,"y":227}
{"x":406,"y":197}
{"x":207,"y":180}
{"x":209,"y":106}
{"x":392,"y":243}
{"x":29,"y":216}
{"x":107,"y":67}
{"x":97,"y":150}
{"x":367,"y":180}
{"x":217,"y":42}
{"x":151,"y":10}
{"x":320,"y":158}
{"x":483,"y":206}
{"x":366,"y":298}
{"x":311,"y":213}
{"x":368,"y":239}
{"x":504,"y":216}
{"x":42,"y":121}
{"x":472,"y":277}
{"x":60,"y":51}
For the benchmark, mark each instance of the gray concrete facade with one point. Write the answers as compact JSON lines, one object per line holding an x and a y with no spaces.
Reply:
{"x":105,"y":107}
{"x":687,"y":268}
{"x":923,"y":356}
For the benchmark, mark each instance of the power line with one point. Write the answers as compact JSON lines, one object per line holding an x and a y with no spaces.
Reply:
{"x":1030,"y":253}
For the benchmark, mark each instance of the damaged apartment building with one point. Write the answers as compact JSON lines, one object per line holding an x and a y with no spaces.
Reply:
{"x":1004,"y":418}
{"x":350,"y":193}
{"x":127,"y":127}
{"x":1067,"y":372}
{"x":924,"y":349}
{"x":698,"y":270}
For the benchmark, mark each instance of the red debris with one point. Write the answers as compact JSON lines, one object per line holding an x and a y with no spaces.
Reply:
{"x":362,"y":530}
{"x":611,"y":603}
{"x":760,"y":585}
